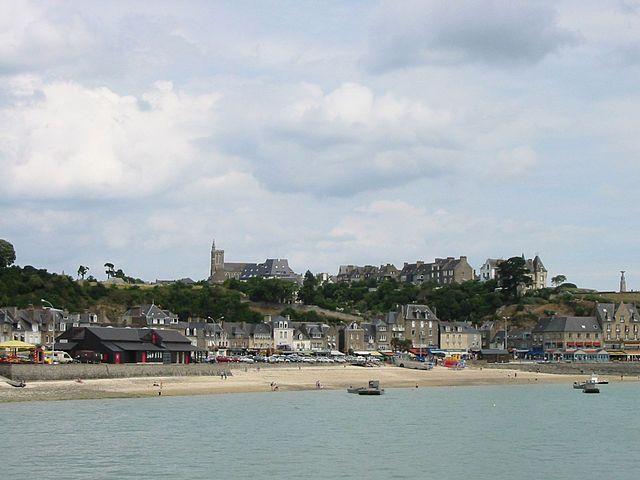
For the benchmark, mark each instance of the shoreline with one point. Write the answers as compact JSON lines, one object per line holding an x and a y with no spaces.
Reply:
{"x":287,"y":379}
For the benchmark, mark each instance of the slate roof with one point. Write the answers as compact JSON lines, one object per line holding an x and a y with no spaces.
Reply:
{"x":567,"y":324}
{"x":418,"y":312}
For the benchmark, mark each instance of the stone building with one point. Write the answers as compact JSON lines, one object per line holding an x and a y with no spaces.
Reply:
{"x":459,"y":337}
{"x":270,"y":268}
{"x":620,"y":329}
{"x":442,"y":271}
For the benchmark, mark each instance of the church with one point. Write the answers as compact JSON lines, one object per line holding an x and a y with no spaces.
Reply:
{"x":271,"y":268}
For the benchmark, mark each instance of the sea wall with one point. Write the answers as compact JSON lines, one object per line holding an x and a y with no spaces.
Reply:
{"x":608,"y":368}
{"x":103,"y":370}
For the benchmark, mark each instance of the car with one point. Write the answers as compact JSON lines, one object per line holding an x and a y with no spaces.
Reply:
{"x":87,"y":356}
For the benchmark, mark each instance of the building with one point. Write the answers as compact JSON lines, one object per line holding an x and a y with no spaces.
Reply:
{"x":489,"y":269}
{"x":282,"y":329}
{"x":421,"y":326}
{"x":355,"y":273}
{"x":148,"y":316}
{"x":129,"y":345}
{"x":620,"y":330}
{"x":351,"y":338}
{"x":442,"y":271}
{"x":271,"y":268}
{"x":537,"y":272}
{"x":459,"y":338}
{"x":562,"y":337}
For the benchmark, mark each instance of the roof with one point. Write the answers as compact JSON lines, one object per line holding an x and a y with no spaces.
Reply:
{"x":567,"y":324}
{"x":466,"y":327}
{"x":422,"y":312}
{"x":115,"y":334}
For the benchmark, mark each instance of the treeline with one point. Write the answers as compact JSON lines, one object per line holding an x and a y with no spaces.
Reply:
{"x":26,"y":286}
{"x":466,"y":301}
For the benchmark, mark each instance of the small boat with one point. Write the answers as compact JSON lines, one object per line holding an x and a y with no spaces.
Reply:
{"x":590,"y":387}
{"x":579,"y":385}
{"x":17,"y":383}
{"x":372,"y":389}
{"x":594,"y":379}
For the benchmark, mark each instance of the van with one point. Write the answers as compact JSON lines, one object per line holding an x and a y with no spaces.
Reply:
{"x":58,"y":357}
{"x":88,"y":356}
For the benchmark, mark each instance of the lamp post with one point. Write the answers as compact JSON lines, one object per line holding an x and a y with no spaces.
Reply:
{"x":53,"y":320}
{"x":506,"y":334}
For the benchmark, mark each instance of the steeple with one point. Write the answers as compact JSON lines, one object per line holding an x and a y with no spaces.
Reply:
{"x":623,"y":282}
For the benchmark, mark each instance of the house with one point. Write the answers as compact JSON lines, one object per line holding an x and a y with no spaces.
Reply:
{"x":559,"y":337}
{"x":238,"y":335}
{"x":205,"y":336}
{"x":489,"y":269}
{"x":129,"y":345}
{"x":537,"y":272}
{"x":282,"y":329}
{"x":459,"y":337}
{"x":620,"y":330}
{"x":351,"y":338}
{"x":301,"y":341}
{"x":421,"y":326}
{"x":148,"y":316}
{"x":260,"y":337}
{"x":442,"y":271}
{"x":322,"y":337}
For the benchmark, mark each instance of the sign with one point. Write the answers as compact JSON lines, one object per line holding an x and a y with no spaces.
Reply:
{"x":155,"y":356}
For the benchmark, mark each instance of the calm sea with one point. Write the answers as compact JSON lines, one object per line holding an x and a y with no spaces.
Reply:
{"x":503,"y":432}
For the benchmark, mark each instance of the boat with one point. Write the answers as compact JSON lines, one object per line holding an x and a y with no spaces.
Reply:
{"x":590,"y":387}
{"x":594,"y":379}
{"x":17,"y":383}
{"x":372,"y":389}
{"x":579,"y":385}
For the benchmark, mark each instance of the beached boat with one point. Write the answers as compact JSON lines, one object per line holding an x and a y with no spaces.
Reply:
{"x":17,"y":383}
{"x":372,"y":389}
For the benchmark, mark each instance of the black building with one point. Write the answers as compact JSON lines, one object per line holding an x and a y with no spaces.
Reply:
{"x":130,"y":345}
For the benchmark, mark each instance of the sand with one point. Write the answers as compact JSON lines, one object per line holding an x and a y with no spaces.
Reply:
{"x":287,"y":379}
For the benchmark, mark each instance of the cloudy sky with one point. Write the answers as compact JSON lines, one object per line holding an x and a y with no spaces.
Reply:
{"x":323,"y":132}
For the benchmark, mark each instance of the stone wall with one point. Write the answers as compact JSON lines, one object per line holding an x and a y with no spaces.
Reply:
{"x":104,"y":370}
{"x":608,"y":368}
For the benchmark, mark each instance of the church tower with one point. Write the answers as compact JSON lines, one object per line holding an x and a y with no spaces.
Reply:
{"x":623,"y":282}
{"x":217,"y":260}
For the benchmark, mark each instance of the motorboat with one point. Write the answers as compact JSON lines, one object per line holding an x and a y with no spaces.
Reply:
{"x":372,"y":389}
{"x":590,"y":387}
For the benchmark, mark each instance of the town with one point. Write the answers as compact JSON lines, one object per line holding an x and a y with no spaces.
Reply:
{"x":151,"y":333}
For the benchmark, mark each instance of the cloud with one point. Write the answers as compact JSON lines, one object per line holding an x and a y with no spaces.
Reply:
{"x":31,"y":37}
{"x":494,"y":32}
{"x":64,"y":140}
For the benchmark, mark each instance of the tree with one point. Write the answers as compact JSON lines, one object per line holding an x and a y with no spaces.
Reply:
{"x":7,"y":254}
{"x":308,"y":291}
{"x":400,"y":345}
{"x":82,"y":271}
{"x":110,"y":270}
{"x":558,"y":280}
{"x":513,"y":274}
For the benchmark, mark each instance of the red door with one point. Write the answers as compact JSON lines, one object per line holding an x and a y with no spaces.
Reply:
{"x":117,"y":359}
{"x":144,"y":357}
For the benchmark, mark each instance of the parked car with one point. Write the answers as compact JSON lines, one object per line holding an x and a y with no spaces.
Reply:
{"x":87,"y":356}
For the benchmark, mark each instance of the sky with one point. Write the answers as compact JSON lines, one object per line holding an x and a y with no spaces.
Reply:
{"x":327,"y":133}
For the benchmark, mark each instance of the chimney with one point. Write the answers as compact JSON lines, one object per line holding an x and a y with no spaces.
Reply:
{"x":267,"y":319}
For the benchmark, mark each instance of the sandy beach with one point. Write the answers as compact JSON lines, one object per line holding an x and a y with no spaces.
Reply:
{"x":287,"y":379}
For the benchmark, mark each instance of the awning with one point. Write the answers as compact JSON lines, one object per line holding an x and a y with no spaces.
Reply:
{"x":17,"y":345}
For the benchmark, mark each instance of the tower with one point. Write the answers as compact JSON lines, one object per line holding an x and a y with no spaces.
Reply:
{"x":217,"y":259}
{"x":623,"y":282}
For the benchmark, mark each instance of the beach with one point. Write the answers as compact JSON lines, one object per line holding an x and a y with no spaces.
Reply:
{"x":255,"y":379}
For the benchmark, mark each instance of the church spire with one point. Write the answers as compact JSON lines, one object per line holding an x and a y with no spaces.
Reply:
{"x":623,"y":282}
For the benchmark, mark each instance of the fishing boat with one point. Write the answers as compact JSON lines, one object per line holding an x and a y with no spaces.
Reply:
{"x":590,"y":387}
{"x":372,"y":389}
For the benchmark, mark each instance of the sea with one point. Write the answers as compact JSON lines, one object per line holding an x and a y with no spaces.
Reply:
{"x":484,"y":432}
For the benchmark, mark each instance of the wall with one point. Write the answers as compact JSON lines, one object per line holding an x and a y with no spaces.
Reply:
{"x":609,"y":368}
{"x":104,"y":370}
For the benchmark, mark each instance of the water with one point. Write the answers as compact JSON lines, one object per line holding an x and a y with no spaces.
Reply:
{"x":532,"y":432}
